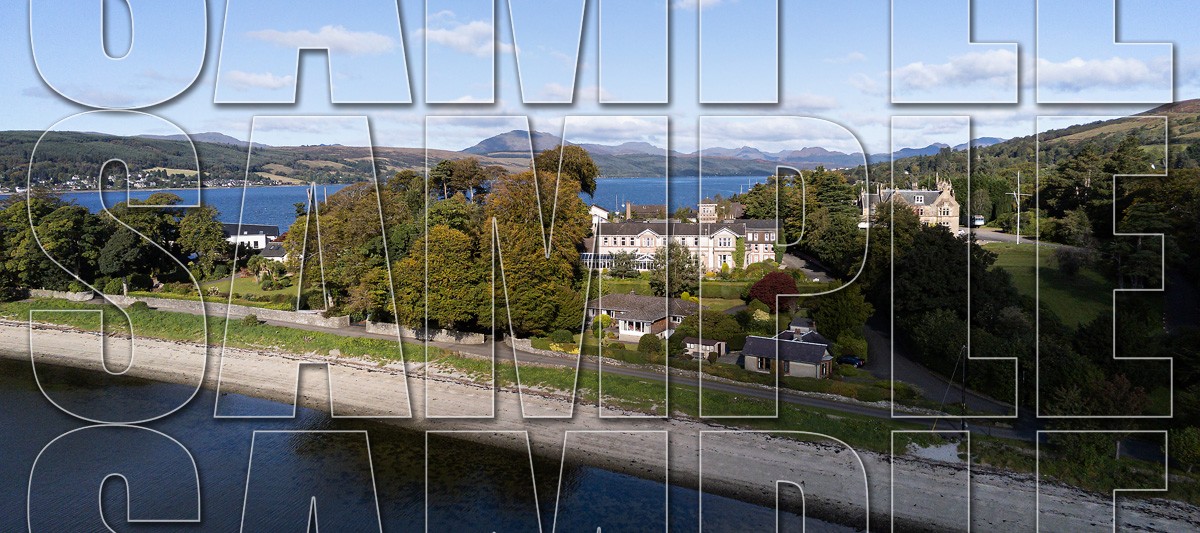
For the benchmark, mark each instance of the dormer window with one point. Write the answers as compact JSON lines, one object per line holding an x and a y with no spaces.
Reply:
{"x":919,"y":199}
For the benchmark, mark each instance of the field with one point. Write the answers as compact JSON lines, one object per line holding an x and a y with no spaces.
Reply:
{"x":1074,"y":299}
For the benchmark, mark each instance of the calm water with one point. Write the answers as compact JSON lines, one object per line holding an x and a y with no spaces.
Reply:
{"x":274,"y":205}
{"x":490,"y":488}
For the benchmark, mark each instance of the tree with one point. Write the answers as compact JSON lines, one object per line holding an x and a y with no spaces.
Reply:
{"x":201,"y":234}
{"x":674,"y":270}
{"x":717,"y":326}
{"x":1185,"y":446}
{"x":541,"y":268}
{"x":624,"y":265}
{"x":650,"y":345}
{"x":768,"y":289}
{"x":454,"y":283}
{"x":842,"y":312}
{"x":573,"y":162}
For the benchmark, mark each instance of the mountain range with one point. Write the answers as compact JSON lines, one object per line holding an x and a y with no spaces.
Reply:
{"x":223,"y":158}
{"x":642,"y":158}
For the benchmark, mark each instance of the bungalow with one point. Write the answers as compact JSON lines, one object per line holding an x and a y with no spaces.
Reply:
{"x":251,"y":236}
{"x":703,"y":347}
{"x":275,"y":252}
{"x":635,"y":315}
{"x":798,"y":355}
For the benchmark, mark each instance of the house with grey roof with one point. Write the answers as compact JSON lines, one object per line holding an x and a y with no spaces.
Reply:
{"x":933,"y":207}
{"x":634,"y":315}
{"x":802,"y":355}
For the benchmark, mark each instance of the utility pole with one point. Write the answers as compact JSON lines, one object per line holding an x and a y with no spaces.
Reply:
{"x":1016,"y":194}
{"x":966,"y":359}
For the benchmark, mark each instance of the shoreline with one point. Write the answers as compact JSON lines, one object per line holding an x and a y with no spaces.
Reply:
{"x":998,"y":498}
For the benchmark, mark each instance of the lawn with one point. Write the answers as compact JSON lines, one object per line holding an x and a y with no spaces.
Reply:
{"x":1074,"y":299}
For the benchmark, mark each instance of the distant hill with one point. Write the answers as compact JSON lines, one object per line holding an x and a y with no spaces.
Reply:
{"x":206,"y":137}
{"x":643,"y":159}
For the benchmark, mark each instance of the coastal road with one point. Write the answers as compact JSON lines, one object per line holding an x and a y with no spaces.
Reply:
{"x":504,"y":352}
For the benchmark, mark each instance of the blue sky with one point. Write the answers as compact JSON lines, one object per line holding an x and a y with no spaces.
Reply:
{"x":835,"y":56}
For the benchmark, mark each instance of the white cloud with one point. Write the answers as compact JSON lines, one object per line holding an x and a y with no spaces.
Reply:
{"x":257,"y":80}
{"x":866,"y":84}
{"x":475,"y":37}
{"x":335,"y":38}
{"x":1079,"y":74}
{"x":994,"y":68}
{"x":852,"y":57}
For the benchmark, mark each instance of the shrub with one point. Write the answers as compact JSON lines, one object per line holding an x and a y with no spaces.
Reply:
{"x":1072,"y":260}
{"x":250,"y":320}
{"x":851,"y":344}
{"x":220,"y":271}
{"x":650,"y":345}
{"x":140,"y":282}
{"x":561,"y":336}
{"x":138,"y":307}
{"x":267,"y":285}
{"x":113,"y":286}
{"x":756,"y":306}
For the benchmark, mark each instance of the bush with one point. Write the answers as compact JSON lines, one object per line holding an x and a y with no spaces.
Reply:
{"x":1072,"y":260}
{"x":756,"y":306}
{"x":561,"y":336}
{"x":140,"y":282}
{"x":138,"y":307}
{"x":267,"y":285}
{"x":650,"y":345}
{"x":851,"y":344}
{"x":113,"y":286}
{"x":220,"y":270}
{"x":250,"y":320}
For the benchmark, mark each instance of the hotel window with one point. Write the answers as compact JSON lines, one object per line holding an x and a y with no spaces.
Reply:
{"x":918,"y":199}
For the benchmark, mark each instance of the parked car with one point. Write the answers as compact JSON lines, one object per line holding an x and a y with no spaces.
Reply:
{"x":850,"y":360}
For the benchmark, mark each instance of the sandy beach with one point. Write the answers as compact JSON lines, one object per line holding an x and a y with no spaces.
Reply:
{"x":930,"y":495}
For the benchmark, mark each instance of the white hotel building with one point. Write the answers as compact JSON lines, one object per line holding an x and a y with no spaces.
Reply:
{"x":713,"y":244}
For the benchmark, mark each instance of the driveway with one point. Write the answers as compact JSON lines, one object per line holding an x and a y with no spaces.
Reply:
{"x":810,"y":268}
{"x":933,"y":386}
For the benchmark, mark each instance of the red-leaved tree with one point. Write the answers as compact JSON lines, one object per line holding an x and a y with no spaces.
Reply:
{"x":766,"y":289}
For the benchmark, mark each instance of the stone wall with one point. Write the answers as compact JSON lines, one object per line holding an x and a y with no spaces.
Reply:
{"x":62,"y":295}
{"x":436,"y":335}
{"x":305,"y":318}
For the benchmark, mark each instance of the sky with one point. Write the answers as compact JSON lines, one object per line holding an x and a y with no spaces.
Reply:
{"x":623,"y":70}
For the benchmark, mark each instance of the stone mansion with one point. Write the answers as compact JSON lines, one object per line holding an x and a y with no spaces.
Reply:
{"x":933,"y":207}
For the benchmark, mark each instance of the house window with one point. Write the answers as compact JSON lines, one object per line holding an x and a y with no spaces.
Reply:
{"x":944,"y":211}
{"x":761,"y":363}
{"x":647,"y":241}
{"x":919,"y":199}
{"x":921,"y":212}
{"x":784,"y":366}
{"x":606,"y":241}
